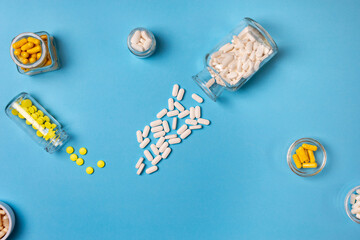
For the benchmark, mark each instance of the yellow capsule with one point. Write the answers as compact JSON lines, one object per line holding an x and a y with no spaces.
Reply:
{"x":297,"y":160}
{"x":311,"y":156}
{"x":33,"y":55}
{"x":25,"y":61}
{"x":27,"y":46}
{"x":38,"y":133}
{"x":34,"y":116}
{"x":301,"y":153}
{"x":35,"y":49}
{"x":17,"y":52}
{"x":48,"y":62}
{"x":32,"y":60}
{"x":31,"y":110}
{"x":82,"y":151}
{"x":33,"y":40}
{"x":19,"y":43}
{"x":14,"y":112}
{"x":44,"y":37}
{"x":69,"y":149}
{"x":25,"y":54}
{"x":309,"y":147}
{"x":47,"y":119}
{"x":40,"y":121}
{"x":310,"y":165}
{"x":79,"y":161}
{"x":40,"y":113}
{"x":101,"y":164}
{"x":38,"y":55}
{"x":48,"y":125}
{"x":34,"y":107}
{"x":89,"y":170}
{"x":73,"y":157}
{"x":27,"y":122}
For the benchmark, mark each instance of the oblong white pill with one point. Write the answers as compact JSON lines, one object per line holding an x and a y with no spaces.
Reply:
{"x":139,"y":136}
{"x":152,"y":169}
{"x":180,"y":94}
{"x":139,"y":162}
{"x":175,"y":140}
{"x":156,"y":160}
{"x":184,"y":114}
{"x":157,"y":129}
{"x":148,"y":155}
{"x":197,"y":112}
{"x":137,"y":47}
{"x":195,"y":127}
{"x":210,"y":82}
{"x":144,"y":143}
{"x":197,"y":98}
{"x":166,"y":126}
{"x":182,"y":129}
{"x":203,"y":121}
{"x":135,"y":37}
{"x":175,"y":90}
{"x":171,"y":136}
{"x":154,"y":149}
{"x":147,"y":44}
{"x":352,"y":198}
{"x":163,"y":147}
{"x":171,"y":104}
{"x":141,"y":168}
{"x":156,"y":123}
{"x":159,"y":134}
{"x":192,"y":112}
{"x":146,"y":131}
{"x":357,"y":216}
{"x":160,"y":142}
{"x":166,"y":153}
{"x":161,"y":113}
{"x":185,"y":134}
{"x":355,"y":210}
{"x":179,"y":106}
{"x":174,"y":123}
{"x":191,"y":122}
{"x":173,"y":113}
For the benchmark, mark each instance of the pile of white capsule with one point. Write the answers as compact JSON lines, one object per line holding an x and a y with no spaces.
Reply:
{"x":161,"y":129}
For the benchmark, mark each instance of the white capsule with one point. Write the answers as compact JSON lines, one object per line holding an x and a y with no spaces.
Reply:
{"x":152,"y":169}
{"x":197,"y":112}
{"x":197,"y":98}
{"x":175,"y":90}
{"x":195,"y":127}
{"x":147,"y":44}
{"x":179,"y":106}
{"x":157,"y":129}
{"x":192,"y":112}
{"x":144,"y":143}
{"x":166,"y":153}
{"x":156,"y":160}
{"x":159,"y":134}
{"x":227,"y":47}
{"x":146,"y":131}
{"x":357,"y":198}
{"x":171,"y":104}
{"x":174,"y":123}
{"x":135,"y":37}
{"x":166,"y":126}
{"x":145,"y":35}
{"x":185,"y":134}
{"x":352,"y":198}
{"x":357,"y":216}
{"x":257,"y":65}
{"x":227,"y":59}
{"x":182,"y":129}
{"x":355,"y":210}
{"x":156,"y":123}
{"x":148,"y":155}
{"x":175,"y":141}
{"x":180,"y":94}
{"x":173,"y":113}
{"x":137,"y":47}
{"x":154,"y":149}
{"x":160,"y":142}
{"x":139,"y":162}
{"x":210,"y":82}
{"x":191,"y":122}
{"x":203,"y":121}
{"x":358,"y":191}
{"x":171,"y":136}
{"x":161,"y":113}
{"x":184,"y":114}
{"x":163,"y":147}
{"x":139,"y":136}
{"x":141,"y":168}
{"x":356,"y":205}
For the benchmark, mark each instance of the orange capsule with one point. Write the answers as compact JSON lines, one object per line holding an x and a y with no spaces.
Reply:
{"x":43,"y":37}
{"x":25,"y":54}
{"x":19,"y":43}
{"x":17,"y":52}
{"x":35,"y":49}
{"x":27,"y":46}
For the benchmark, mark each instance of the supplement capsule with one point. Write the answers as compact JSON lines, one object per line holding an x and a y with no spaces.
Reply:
{"x":152,"y":169}
{"x":170,"y":136}
{"x":144,"y":143}
{"x":197,"y":98}
{"x":301,"y":153}
{"x":174,"y":91}
{"x":141,"y":168}
{"x":166,"y":153}
{"x":156,"y":123}
{"x":146,"y":131}
{"x":311,"y":156}
{"x":180,"y":94}
{"x":139,"y":162}
{"x":27,"y":46}
{"x":195,"y":127}
{"x":156,"y":160}
{"x":309,"y":165}
{"x":184,"y":114}
{"x":174,"y":140}
{"x":203,"y":121}
{"x":172,"y":113}
{"x":309,"y":147}
{"x":179,"y":106}
{"x":32,"y":60}
{"x":160,"y":142}
{"x":163,"y":147}
{"x":191,"y":122}
{"x":197,"y":112}
{"x":20,"y":43}
{"x":34,"y":40}
{"x":166,"y":126}
{"x":159,"y":134}
{"x":148,"y":155}
{"x":182,"y":129}
{"x":185,"y":134}
{"x":162,"y":113}
{"x":139,"y":136}
{"x":17,"y":52}
{"x":297,"y":160}
{"x":174,"y":123}
{"x":35,"y":49}
{"x":154,"y":149}
{"x":24,"y":54}
{"x":171,"y":104}
{"x":192,"y":113}
{"x":157,"y":129}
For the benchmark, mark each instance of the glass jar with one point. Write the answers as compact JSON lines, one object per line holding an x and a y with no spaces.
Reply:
{"x":43,"y":128}
{"x":232,"y":62}
{"x":48,"y":61}
{"x":141,"y":53}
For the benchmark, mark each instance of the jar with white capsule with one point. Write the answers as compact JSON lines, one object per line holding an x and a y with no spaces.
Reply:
{"x":40,"y":125}
{"x":141,"y":42}
{"x":233,"y":61}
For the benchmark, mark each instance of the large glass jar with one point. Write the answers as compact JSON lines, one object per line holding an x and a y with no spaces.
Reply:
{"x":40,"y":125}
{"x":232,"y":62}
{"x":48,"y":61}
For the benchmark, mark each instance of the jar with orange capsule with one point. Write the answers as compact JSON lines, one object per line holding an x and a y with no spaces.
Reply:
{"x":34,"y":53}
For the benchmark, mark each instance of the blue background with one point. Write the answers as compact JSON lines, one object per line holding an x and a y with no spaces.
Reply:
{"x":227,"y":181}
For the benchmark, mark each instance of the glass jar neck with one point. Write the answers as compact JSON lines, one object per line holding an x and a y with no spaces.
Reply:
{"x":208,"y":84}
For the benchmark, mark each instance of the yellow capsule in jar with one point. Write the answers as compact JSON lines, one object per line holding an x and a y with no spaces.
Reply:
{"x":31,"y":110}
{"x":301,"y":153}
{"x":33,"y":55}
{"x":311,"y":156}
{"x":40,"y":120}
{"x":48,"y":125}
{"x":38,"y":55}
{"x":17,"y":52}
{"x":34,"y":107}
{"x":47,"y":119}
{"x":19,"y":43}
{"x":25,"y":54}
{"x":38,"y":133}
{"x":297,"y":160}
{"x":27,"y":122}
{"x":40,"y":113}
{"x":309,"y":147}
{"x":35,"y":49}
{"x":48,"y":62}
{"x":34,"y":40}
{"x":53,"y":126}
{"x":34,"y":116}
{"x":14,"y":112}
{"x":26,"y":103}
{"x":34,"y":126}
{"x":32,"y":60}
{"x":44,"y":37}
{"x":310,"y":165}
{"x":25,"y":61}
{"x":20,"y":116}
{"x":27,"y":46}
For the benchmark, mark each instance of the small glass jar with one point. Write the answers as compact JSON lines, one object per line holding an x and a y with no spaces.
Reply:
{"x":141,"y":53}
{"x":348,"y":204}
{"x":48,"y":61}
{"x":231,"y":69}
{"x":40,"y":125}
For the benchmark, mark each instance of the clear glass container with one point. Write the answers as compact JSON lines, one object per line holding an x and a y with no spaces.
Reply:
{"x":48,"y":61}
{"x":40,"y":125}
{"x":348,"y":204}
{"x":220,"y":74}
{"x":137,"y":52}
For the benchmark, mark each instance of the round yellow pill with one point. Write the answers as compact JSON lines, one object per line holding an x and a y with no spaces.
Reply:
{"x":35,"y":108}
{"x":69,"y":149}
{"x":26,"y":103}
{"x":27,"y":122}
{"x":38,"y":133}
{"x":48,"y":125}
{"x":40,"y":113}
{"x":14,"y":112}
{"x":47,"y":119}
{"x":17,"y":52}
{"x":80,"y":161}
{"x":31,"y":110}
{"x":82,"y":151}
{"x":89,"y":170}
{"x":38,"y":55}
{"x":34,"y":127}
{"x":34,"y":116}
{"x":21,"y":116}
{"x":40,"y":120}
{"x":24,"y":54}
{"x":53,"y":126}
{"x":101,"y":164}
{"x":73,"y":157}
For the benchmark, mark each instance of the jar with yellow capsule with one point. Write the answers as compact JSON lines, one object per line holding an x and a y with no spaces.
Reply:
{"x":34,"y":53}
{"x":40,"y":125}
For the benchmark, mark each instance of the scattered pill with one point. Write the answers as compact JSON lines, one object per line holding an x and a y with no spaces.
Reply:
{"x":170,"y":136}
{"x":197,"y":112}
{"x":195,"y":127}
{"x":156,"y":160}
{"x":197,"y":98}
{"x":184,"y":114}
{"x":101,"y":164}
{"x":191,"y":122}
{"x":69,"y":150}
{"x":180,"y":95}
{"x":173,"y":113}
{"x":166,"y":153}
{"x":79,"y":161}
{"x":297,"y":161}
{"x":159,"y":134}
{"x":145,"y":143}
{"x":148,"y":155}
{"x":179,"y":106}
{"x":139,"y":136}
{"x":146,"y":131}
{"x":156,"y":123}
{"x":154,"y":149}
{"x":82,"y":151}
{"x":139,"y":162}
{"x":157,"y":129}
{"x":166,"y":126}
{"x":174,"y":123}
{"x":141,"y":168}
{"x":160,"y":142}
{"x":174,"y":140}
{"x":89,"y":170}
{"x":163,"y":147}
{"x":152,"y":169}
{"x":192,"y":113}
{"x":309,"y":147}
{"x":171,"y":104}
{"x":185,"y":134}
{"x":203,"y":121}
{"x":175,"y":90}
{"x":73,"y":157}
{"x":182,"y":129}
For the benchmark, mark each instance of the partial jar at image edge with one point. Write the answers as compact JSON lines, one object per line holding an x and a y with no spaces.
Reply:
{"x":232,"y":62}
{"x":50,"y":61}
{"x":40,"y":125}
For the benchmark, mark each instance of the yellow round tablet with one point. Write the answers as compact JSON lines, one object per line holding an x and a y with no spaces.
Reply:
{"x":35,"y":108}
{"x":47,"y":119}
{"x":80,"y":161}
{"x":82,"y":151}
{"x":48,"y":125}
{"x":40,"y":113}
{"x":101,"y":164}
{"x":89,"y":170}
{"x":69,"y":149}
{"x":27,"y":122}
{"x":14,"y":112}
{"x":38,"y":133}
{"x":26,"y":103}
{"x":73,"y":157}
{"x":53,"y":125}
{"x":31,"y":110}
{"x":21,"y":116}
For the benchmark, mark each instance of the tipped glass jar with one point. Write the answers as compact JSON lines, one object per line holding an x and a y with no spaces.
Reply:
{"x":232,"y":62}
{"x":43,"y":128}
{"x":34,"y":53}
{"x":141,"y":42}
